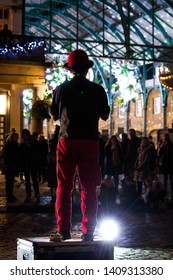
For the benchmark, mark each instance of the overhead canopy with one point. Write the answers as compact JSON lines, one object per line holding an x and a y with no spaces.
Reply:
{"x":140,"y":30}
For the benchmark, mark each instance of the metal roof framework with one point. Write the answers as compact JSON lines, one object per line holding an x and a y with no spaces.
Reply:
{"x":120,"y":29}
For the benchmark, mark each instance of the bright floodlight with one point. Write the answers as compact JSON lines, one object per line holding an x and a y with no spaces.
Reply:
{"x":109,"y":229}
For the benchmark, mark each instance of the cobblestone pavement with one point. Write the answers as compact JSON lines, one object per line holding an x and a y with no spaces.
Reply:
{"x":143,"y":234}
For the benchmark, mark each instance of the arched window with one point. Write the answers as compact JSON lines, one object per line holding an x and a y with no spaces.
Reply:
{"x":27,"y":97}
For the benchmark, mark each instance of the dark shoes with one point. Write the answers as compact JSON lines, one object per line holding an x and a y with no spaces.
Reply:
{"x":64,"y":235}
{"x":60,"y":236}
{"x":87,"y":237}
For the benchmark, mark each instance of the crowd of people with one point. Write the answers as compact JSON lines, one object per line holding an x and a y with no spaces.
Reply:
{"x":146,"y":169}
{"x":33,"y":159}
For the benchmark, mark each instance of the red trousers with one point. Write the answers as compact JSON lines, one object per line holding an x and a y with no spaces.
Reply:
{"x":80,"y":155}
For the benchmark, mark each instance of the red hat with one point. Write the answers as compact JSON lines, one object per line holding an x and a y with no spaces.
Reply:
{"x":78,"y":61}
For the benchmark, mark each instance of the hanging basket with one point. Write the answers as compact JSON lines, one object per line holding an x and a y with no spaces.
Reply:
{"x":40,"y":110}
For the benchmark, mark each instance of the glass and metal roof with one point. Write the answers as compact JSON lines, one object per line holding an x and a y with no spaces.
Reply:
{"x":120,"y":29}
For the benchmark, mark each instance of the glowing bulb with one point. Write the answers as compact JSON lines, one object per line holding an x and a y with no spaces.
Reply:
{"x":109,"y":229}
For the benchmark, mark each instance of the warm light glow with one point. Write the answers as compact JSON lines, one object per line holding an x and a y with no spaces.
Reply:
{"x":128,"y":81}
{"x":2,"y":104}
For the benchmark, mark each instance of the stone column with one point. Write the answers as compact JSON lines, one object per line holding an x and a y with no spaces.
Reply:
{"x":127,"y":125}
{"x":15,"y":107}
{"x":36,"y":124}
{"x":164,"y":93}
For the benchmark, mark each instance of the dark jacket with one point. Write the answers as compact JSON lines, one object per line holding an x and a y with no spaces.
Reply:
{"x":143,"y":163}
{"x":165,"y":158}
{"x":132,"y":153}
{"x":29,"y":154}
{"x":11,"y":159}
{"x":111,"y":164}
{"x":79,"y":104}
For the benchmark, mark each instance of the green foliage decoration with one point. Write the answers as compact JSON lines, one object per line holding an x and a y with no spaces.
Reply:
{"x":40,"y":110}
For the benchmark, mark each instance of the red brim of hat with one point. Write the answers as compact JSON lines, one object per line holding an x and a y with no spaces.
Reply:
{"x":80,"y":68}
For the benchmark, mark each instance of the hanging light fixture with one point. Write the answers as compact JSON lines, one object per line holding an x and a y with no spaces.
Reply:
{"x":166,"y":76}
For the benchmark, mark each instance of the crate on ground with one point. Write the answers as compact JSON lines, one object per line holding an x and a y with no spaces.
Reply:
{"x":40,"y":248}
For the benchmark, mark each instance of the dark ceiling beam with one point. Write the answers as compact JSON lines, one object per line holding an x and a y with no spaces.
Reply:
{"x":141,"y":36}
{"x":156,"y":22}
{"x":65,"y":28}
{"x":113,"y":30}
{"x":169,"y":3}
{"x":85,"y":26}
{"x":38,"y":25}
{"x":125,"y":25}
{"x":84,"y":8}
{"x":126,"y":20}
{"x":138,"y":26}
{"x":107,"y":25}
{"x":110,"y":29}
{"x":132,"y":23}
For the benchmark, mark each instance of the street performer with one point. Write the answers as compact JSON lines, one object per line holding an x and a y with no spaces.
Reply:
{"x":78,"y":104}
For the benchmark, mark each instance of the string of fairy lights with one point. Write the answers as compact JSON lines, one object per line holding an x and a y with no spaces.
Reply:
{"x":167,"y":81}
{"x":25,"y":46}
{"x":20,"y":47}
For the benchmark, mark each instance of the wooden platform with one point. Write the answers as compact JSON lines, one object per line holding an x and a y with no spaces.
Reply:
{"x":41,"y":248}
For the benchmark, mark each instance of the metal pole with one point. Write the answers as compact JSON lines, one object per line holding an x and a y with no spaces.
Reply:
{"x":111,"y":98}
{"x":23,"y":17}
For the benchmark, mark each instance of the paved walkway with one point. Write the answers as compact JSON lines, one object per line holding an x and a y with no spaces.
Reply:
{"x":143,"y":234}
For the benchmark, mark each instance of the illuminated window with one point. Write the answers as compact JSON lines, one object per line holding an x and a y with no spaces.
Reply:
{"x":121,"y":110}
{"x":4,"y":13}
{"x":2,"y":104}
{"x":138,"y":108}
{"x":27,"y":105}
{"x":156,"y":106}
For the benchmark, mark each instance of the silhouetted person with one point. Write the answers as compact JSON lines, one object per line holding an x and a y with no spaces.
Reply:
{"x":51,"y":166}
{"x":114,"y":159}
{"x":124,"y":145}
{"x":132,"y":151}
{"x":29,"y":163}
{"x":42,"y":159}
{"x":78,"y":104}
{"x":165,"y":162}
{"x":143,"y":164}
{"x":5,"y":36}
{"x":102,"y":154}
{"x":11,"y":164}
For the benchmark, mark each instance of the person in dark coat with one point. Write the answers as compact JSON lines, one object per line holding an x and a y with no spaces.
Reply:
{"x":124,"y":144}
{"x":11,"y":164}
{"x":29,"y":163}
{"x":142,"y":167}
{"x":42,"y":158}
{"x":51,"y":166}
{"x":6,"y":36}
{"x":165,"y":162}
{"x":102,"y":154}
{"x":132,"y":151}
{"x":113,"y":159}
